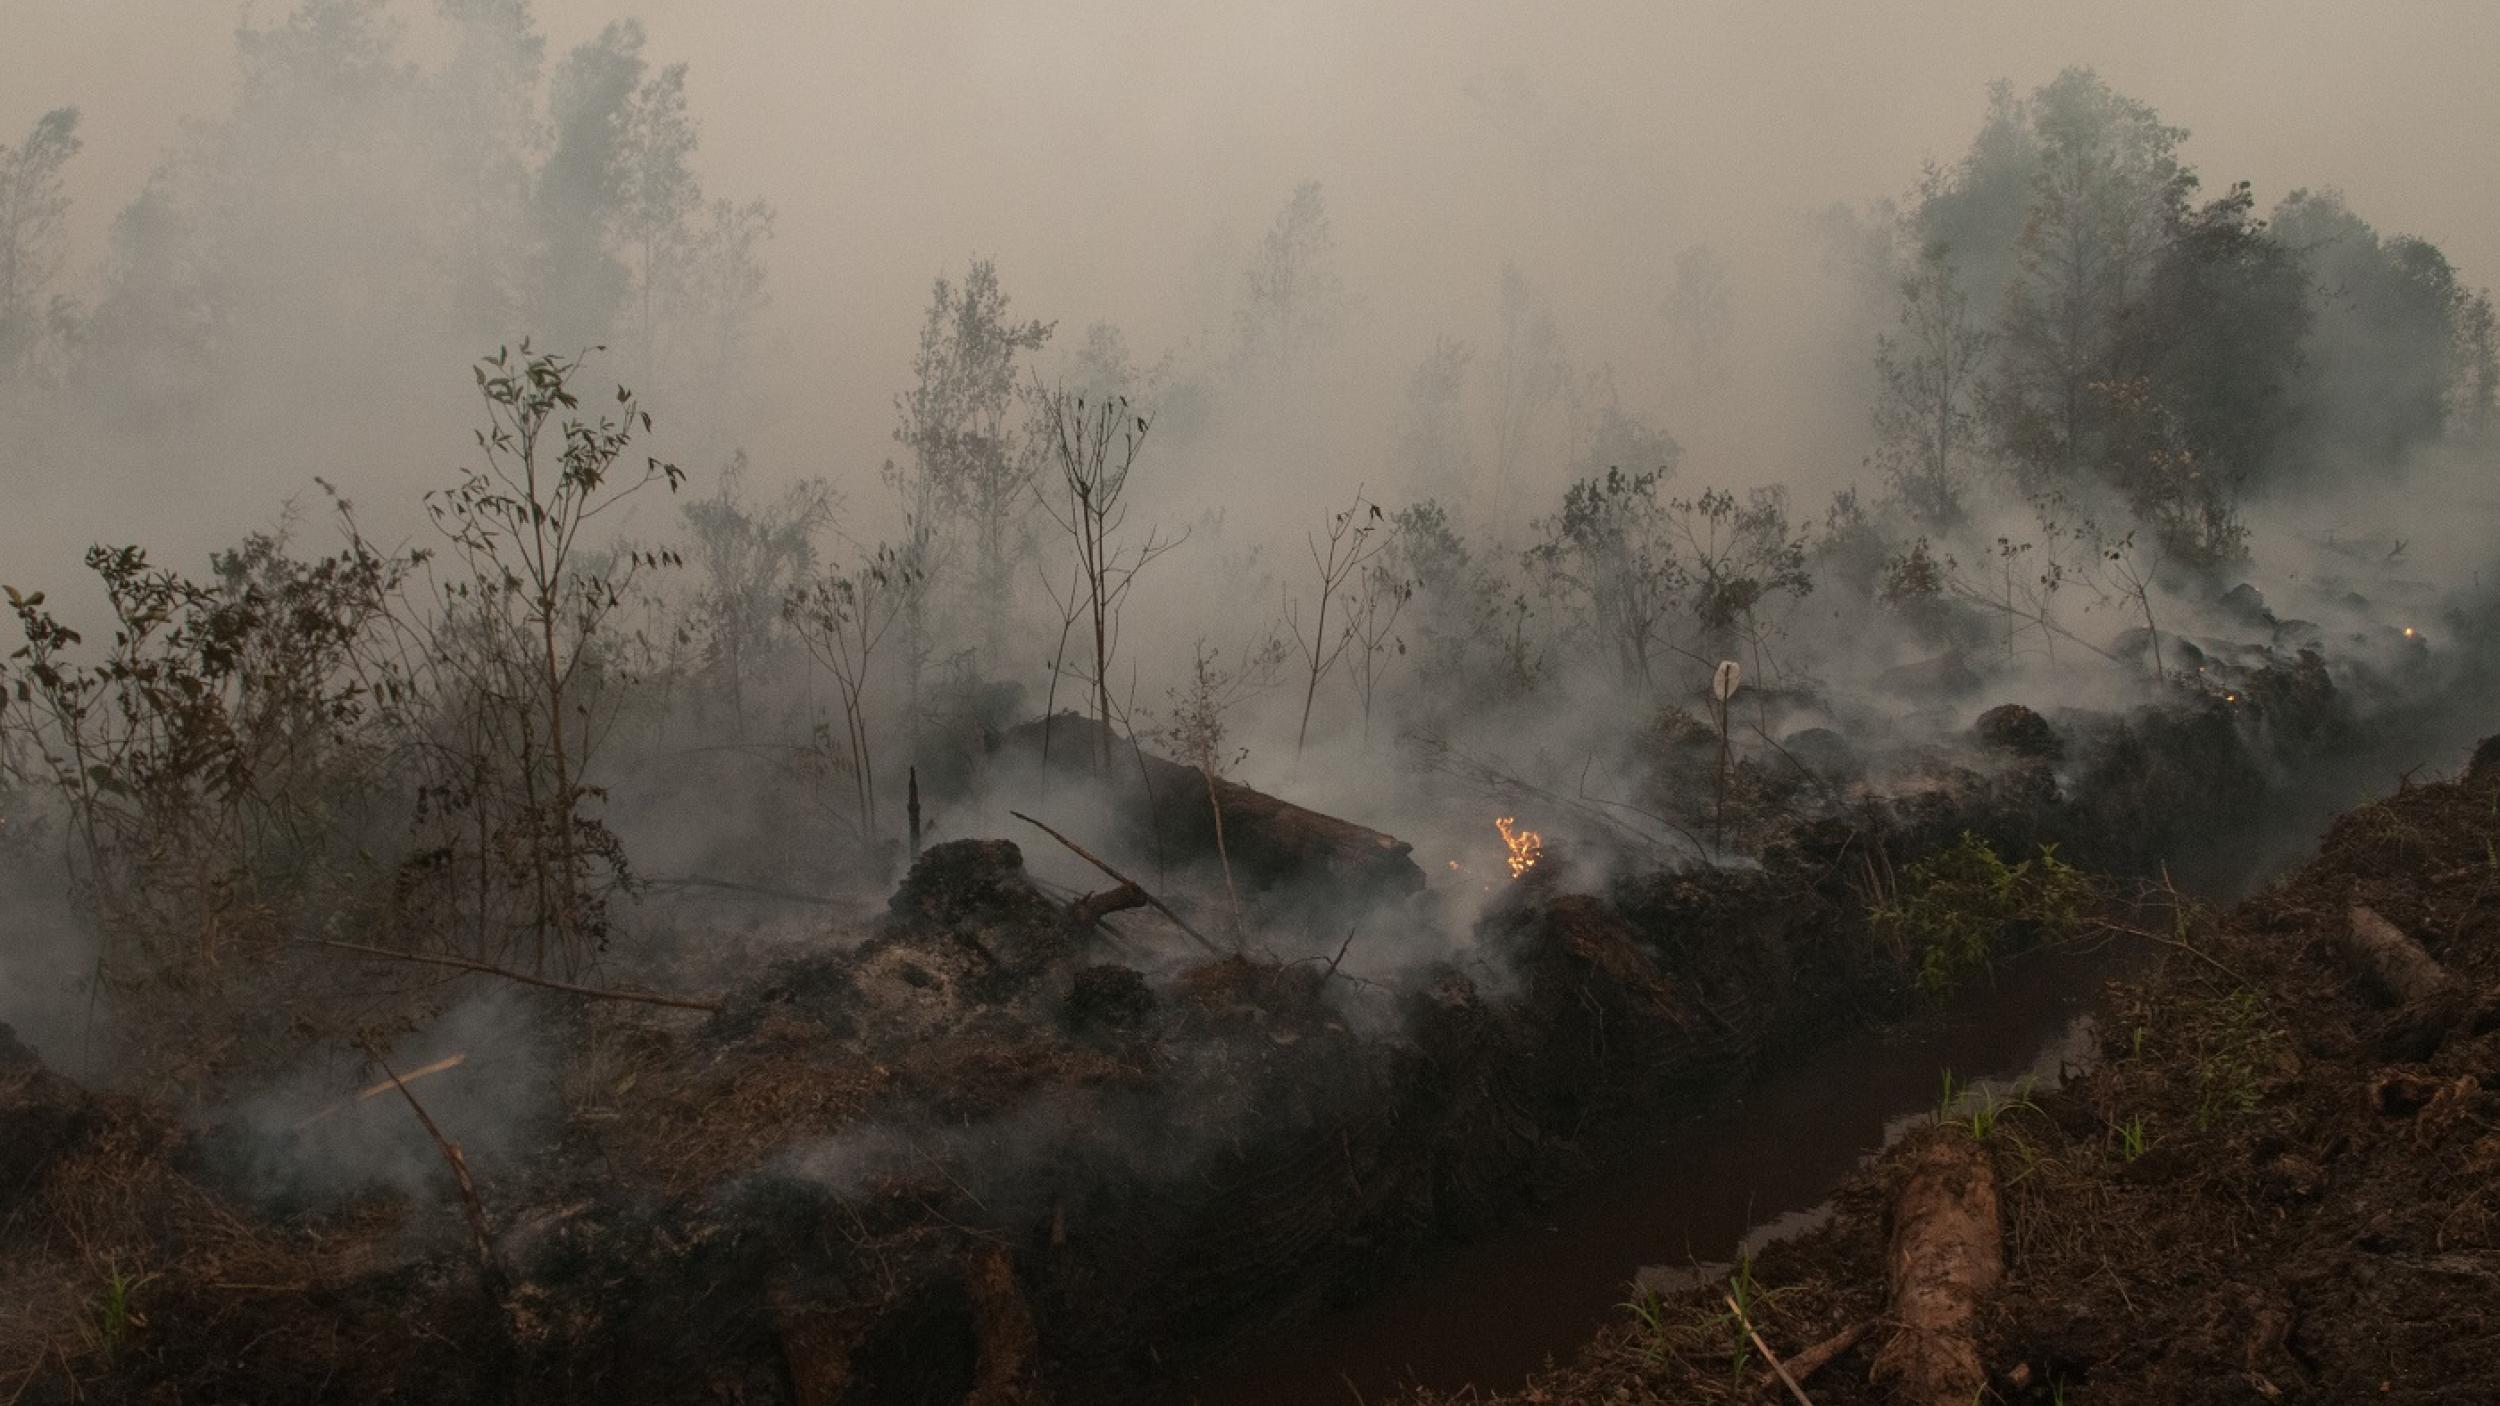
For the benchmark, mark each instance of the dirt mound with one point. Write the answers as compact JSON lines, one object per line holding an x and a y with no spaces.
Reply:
{"x":2018,"y":731}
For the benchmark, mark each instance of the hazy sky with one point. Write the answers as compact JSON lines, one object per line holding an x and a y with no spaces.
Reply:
{"x":1118,"y":158}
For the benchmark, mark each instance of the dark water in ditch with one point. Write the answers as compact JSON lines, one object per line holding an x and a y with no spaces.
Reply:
{"x":1691,"y":1192}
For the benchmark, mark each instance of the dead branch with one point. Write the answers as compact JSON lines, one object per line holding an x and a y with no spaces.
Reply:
{"x":697,"y":881}
{"x":1151,"y":901}
{"x":1094,"y":907}
{"x":489,"y":1264}
{"x":1765,"y":1349}
{"x":1342,"y":949}
{"x":1805,"y":1364}
{"x":648,"y":998}
{"x":365,"y":1095}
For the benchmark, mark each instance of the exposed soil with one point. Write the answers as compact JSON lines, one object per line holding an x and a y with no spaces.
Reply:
{"x":2278,"y":1183}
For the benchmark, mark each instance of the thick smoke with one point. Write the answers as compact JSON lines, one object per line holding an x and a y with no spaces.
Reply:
{"x":1466,"y":450}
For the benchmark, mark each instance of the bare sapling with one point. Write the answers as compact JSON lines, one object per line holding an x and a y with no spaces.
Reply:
{"x":1071,"y":607}
{"x":2128,"y":570}
{"x":1378,"y":602}
{"x":1198,"y":734}
{"x":842,"y":619}
{"x":1094,"y":446}
{"x":522,"y":621}
{"x":1354,"y":541}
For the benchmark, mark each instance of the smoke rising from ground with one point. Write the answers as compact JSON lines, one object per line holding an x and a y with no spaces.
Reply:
{"x":1348,"y":263}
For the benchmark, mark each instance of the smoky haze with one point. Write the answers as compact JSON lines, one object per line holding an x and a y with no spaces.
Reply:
{"x":1643,"y":441}
{"x":1119,"y":162}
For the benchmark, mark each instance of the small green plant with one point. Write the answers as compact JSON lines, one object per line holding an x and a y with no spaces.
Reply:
{"x":2131,"y":1138}
{"x":1749,"y":1298}
{"x":1957,"y":908}
{"x":1976,"y":1108}
{"x":2231,"y":1056}
{"x":116,"y":1316}
{"x":1651,"y":1313}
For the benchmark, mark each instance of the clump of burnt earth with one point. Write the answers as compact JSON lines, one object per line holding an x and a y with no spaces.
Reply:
{"x":2279,"y":1182}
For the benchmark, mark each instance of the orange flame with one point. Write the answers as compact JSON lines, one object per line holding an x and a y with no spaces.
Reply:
{"x":1526,"y":846}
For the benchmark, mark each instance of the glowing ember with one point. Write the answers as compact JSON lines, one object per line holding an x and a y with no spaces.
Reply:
{"x":1526,"y":846}
{"x":2408,"y":632}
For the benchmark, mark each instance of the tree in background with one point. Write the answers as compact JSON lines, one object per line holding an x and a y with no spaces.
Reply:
{"x":1605,"y":436}
{"x":955,"y":421}
{"x":484,"y":107}
{"x":1431,"y":453}
{"x":2218,"y":333}
{"x":584,"y":185}
{"x":2108,"y":193}
{"x":1978,"y":207}
{"x":751,"y":557}
{"x":1530,"y":373}
{"x":32,"y":211}
{"x":491,"y":196}
{"x":1701,"y":311}
{"x":1612,"y":551}
{"x":2383,"y":360}
{"x":1926,"y":408}
{"x":1295,"y":300}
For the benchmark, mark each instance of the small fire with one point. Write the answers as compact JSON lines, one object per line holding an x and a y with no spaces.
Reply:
{"x":2408,"y":632}
{"x":1526,"y":846}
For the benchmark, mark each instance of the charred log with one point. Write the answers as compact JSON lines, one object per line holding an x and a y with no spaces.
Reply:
{"x":1272,"y":843}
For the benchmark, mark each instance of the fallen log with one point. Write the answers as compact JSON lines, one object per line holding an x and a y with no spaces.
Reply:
{"x":1947,"y":1254}
{"x":1271,"y":842}
{"x":2394,"y":966}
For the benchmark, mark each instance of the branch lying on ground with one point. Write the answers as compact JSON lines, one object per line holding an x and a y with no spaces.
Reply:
{"x":1150,"y":900}
{"x":728,"y":886}
{"x":490,"y":1266}
{"x":648,"y":998}
{"x":1093,"y":907}
{"x":1765,"y":1349}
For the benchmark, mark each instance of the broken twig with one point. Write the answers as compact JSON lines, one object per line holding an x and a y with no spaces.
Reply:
{"x":1765,"y":1349}
{"x":1804,"y":1365}
{"x":365,"y":1095}
{"x":648,"y":998}
{"x":1094,"y":907}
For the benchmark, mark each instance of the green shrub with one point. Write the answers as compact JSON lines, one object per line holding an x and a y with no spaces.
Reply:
{"x":1957,"y":908}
